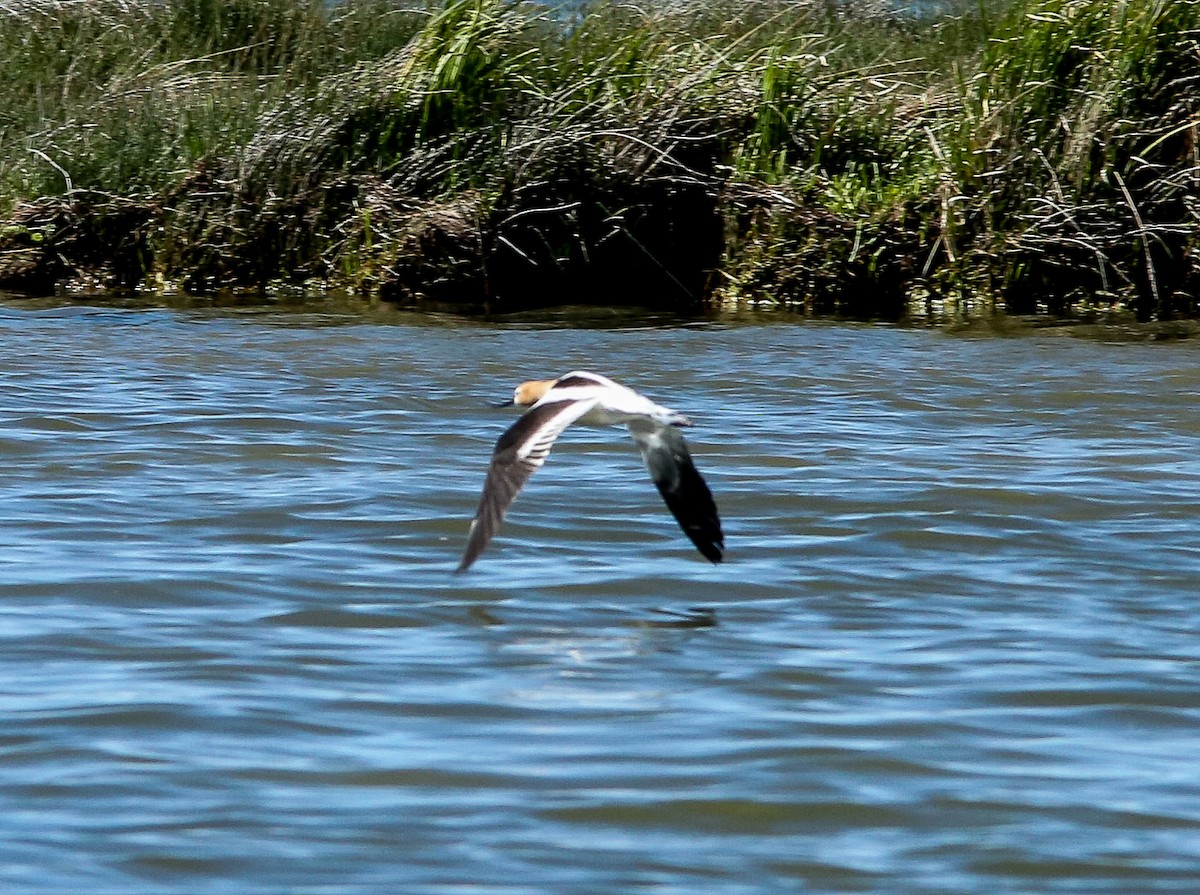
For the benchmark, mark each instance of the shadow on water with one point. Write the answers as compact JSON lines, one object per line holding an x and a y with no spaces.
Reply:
{"x":297,"y":308}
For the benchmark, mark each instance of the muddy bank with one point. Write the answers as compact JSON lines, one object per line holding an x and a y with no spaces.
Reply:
{"x":656,"y":244}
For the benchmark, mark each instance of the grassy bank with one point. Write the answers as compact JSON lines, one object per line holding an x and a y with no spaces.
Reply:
{"x":832,"y":156}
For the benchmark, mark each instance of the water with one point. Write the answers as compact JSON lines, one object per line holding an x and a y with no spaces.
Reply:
{"x":955,"y":647}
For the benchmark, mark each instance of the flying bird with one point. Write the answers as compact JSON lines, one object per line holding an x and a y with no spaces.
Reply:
{"x":595,"y":400}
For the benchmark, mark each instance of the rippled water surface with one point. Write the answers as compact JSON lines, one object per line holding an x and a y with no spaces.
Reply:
{"x":955,"y":647}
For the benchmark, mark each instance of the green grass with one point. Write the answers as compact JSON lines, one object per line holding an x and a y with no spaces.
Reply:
{"x":1079,"y":150}
{"x":127,"y":96}
{"x":1039,"y":154}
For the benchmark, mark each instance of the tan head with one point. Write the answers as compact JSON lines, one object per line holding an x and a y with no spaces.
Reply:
{"x":529,"y":393}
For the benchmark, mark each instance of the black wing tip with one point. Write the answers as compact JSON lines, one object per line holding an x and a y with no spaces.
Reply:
{"x":467,"y":561}
{"x":691,"y":503}
{"x":705,"y":534}
{"x":713,"y":551}
{"x":477,"y":542}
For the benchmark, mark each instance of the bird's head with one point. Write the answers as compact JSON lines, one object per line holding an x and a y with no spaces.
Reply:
{"x":528,"y":393}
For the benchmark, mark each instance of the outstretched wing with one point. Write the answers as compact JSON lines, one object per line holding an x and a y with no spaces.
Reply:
{"x":682,"y":487}
{"x":519,"y":453}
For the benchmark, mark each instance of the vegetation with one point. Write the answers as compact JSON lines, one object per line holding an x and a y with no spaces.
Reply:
{"x":831,"y":154}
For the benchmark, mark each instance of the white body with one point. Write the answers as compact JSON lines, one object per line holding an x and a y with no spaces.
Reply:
{"x":612,"y":404}
{"x":595,"y":400}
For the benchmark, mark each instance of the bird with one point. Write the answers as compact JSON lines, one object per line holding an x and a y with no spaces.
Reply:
{"x":595,"y":400}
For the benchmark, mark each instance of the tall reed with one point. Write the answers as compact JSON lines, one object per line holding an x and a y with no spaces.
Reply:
{"x":1079,"y":147}
{"x":127,"y":95}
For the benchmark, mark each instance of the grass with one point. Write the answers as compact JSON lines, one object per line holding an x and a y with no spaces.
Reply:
{"x":840,"y":157}
{"x":1090,"y":113}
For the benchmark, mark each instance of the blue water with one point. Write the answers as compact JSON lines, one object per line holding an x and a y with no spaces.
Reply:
{"x":954,"y":649}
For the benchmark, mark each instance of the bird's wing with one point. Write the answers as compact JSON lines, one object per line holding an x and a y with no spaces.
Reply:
{"x":519,"y":453}
{"x":681,"y":485}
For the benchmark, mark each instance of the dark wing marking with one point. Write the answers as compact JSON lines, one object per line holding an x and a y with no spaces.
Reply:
{"x":681,"y":485}
{"x":519,"y":453}
{"x":576,"y":380}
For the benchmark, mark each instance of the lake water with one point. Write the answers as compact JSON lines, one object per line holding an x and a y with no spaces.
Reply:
{"x":955,"y":647}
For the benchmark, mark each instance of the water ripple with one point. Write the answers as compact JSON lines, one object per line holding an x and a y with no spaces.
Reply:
{"x":954,"y":647}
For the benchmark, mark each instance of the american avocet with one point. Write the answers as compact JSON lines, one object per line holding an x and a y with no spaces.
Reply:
{"x":588,"y":398}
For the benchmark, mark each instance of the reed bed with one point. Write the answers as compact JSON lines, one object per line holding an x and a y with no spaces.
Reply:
{"x":839,"y":157}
